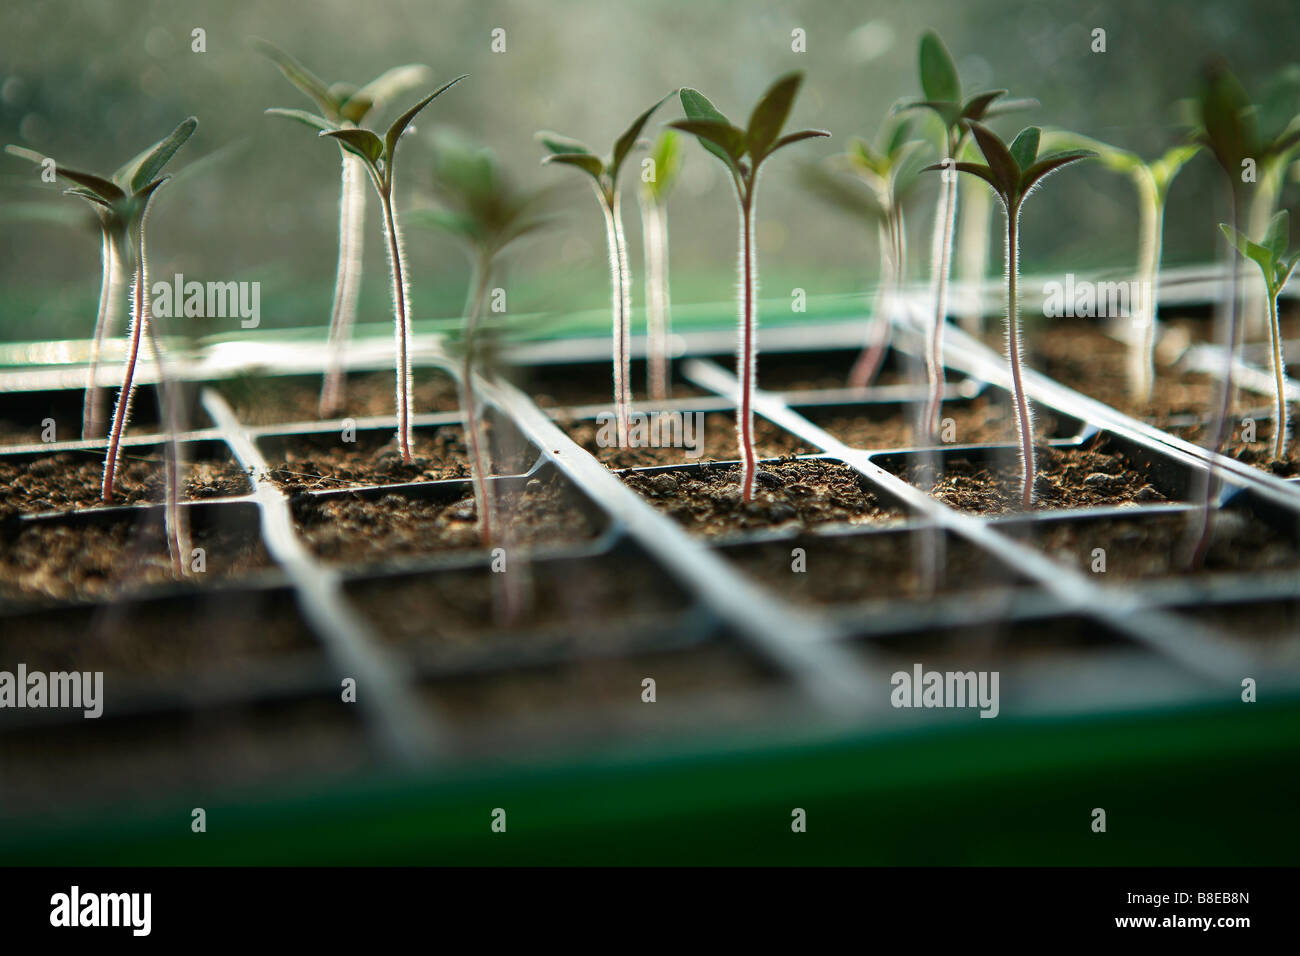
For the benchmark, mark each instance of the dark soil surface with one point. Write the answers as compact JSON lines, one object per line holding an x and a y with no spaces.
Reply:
{"x":800,"y":493}
{"x":850,"y":569}
{"x":578,"y":605}
{"x":1151,"y":546}
{"x":350,"y":529}
{"x":165,"y":639}
{"x":326,"y":462}
{"x":1258,"y":454}
{"x":276,"y":400}
{"x":591,"y":383}
{"x":1067,"y":478}
{"x":90,"y":560}
{"x":980,"y":421}
{"x":719,"y":443}
{"x":69,"y":480}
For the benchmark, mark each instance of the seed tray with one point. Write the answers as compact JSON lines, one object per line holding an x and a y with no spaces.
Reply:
{"x":447,"y":679}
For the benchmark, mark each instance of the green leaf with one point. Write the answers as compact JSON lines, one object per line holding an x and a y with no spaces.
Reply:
{"x":697,"y":106}
{"x":318,"y":123}
{"x":403,"y":121}
{"x":770,"y":115}
{"x":977,"y":106}
{"x":392,"y":83}
{"x":668,"y":155}
{"x":624,"y":144}
{"x":1227,"y":121}
{"x":457,"y":224}
{"x":99,"y":202}
{"x":1002,"y":165}
{"x":974,"y":169}
{"x":1164,"y":169}
{"x":1049,"y":164}
{"x":585,"y":161}
{"x":1253,"y":251}
{"x":1003,"y":107}
{"x":96,"y":184}
{"x":1278,"y":235}
{"x":355,"y":107}
{"x":1024,"y":148}
{"x":949,"y":113}
{"x":791,"y":138}
{"x":361,"y":142}
{"x":938,"y":74}
{"x":717,"y":136}
{"x":146,"y":166}
{"x":557,"y":143}
{"x":304,"y":79}
{"x":841,"y":193}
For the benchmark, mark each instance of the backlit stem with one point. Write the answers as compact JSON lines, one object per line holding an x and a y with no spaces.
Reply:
{"x":169,"y":407}
{"x":654,"y":219}
{"x":401,"y":327}
{"x":1281,"y":424}
{"x":1150,"y":240}
{"x":1024,"y":423}
{"x":867,"y":366}
{"x":110,"y":307}
{"x":139,"y":322}
{"x":470,"y":402}
{"x":746,"y":361}
{"x":621,"y":304}
{"x":942,"y":260}
{"x":347,"y":281}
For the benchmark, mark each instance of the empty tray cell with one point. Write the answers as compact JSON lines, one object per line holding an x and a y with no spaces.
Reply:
{"x":348,"y":456}
{"x":675,"y":438}
{"x":822,"y":369}
{"x":580,"y":384}
{"x":107,"y":552}
{"x":24,"y":416}
{"x":367,"y":527}
{"x":1102,"y":471}
{"x":35,"y":482}
{"x":280,"y":399}
{"x":179,"y":643}
{"x":881,"y":566}
{"x":603,"y":696}
{"x":1134,"y":545}
{"x":597,"y":605}
{"x":989,"y":418}
{"x":203,"y":755}
{"x":707,"y":500}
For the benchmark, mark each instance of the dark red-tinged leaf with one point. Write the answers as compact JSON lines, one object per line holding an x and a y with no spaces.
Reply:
{"x":770,"y":114}
{"x":585,"y":161}
{"x":898,"y":138}
{"x":938,"y":73}
{"x":312,"y":86}
{"x":1001,"y":163}
{"x":976,"y":107}
{"x":399,"y":125}
{"x":1049,"y":164}
{"x":718,"y":136}
{"x":1024,"y":148}
{"x":791,"y":138}
{"x":950,"y":113}
{"x":975,"y":169}
{"x":361,"y":142}
{"x":146,"y":166}
{"x":1003,"y":107}
{"x":697,"y":107}
{"x":96,"y":184}
{"x":624,"y":144}
{"x":318,"y":123}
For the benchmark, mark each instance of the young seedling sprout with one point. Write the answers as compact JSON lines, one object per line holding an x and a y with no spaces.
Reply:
{"x":1271,"y":257}
{"x":1013,"y":172}
{"x":342,"y":105}
{"x":666,"y":156}
{"x":377,"y":157}
{"x":122,"y":204}
{"x":743,"y":152}
{"x":884,"y":177}
{"x":604,"y":177}
{"x":483,"y":209}
{"x":1152,"y":180}
{"x":942,"y":88}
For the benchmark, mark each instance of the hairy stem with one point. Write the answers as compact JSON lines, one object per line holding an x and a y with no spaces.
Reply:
{"x":942,"y":259}
{"x":122,"y":411}
{"x":347,"y":281}
{"x":867,"y":366}
{"x":1281,"y":423}
{"x":1150,"y":240}
{"x":401,"y":327}
{"x":654,"y":224}
{"x":746,"y":364}
{"x":1024,"y":423}
{"x":479,"y":470}
{"x":621,"y":303}
{"x":110,"y":307}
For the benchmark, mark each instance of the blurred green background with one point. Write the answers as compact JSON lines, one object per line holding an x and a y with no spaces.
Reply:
{"x":93,"y":81}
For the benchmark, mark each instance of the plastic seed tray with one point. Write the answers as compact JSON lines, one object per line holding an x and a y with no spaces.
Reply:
{"x":759,"y":627}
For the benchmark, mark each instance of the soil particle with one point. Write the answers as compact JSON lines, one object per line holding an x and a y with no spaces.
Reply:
{"x":276,"y":400}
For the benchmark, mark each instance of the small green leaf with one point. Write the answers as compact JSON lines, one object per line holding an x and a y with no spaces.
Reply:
{"x":938,"y":74}
{"x":791,"y":138}
{"x":841,"y":193}
{"x":557,"y":143}
{"x":146,"y":166}
{"x":1253,"y":251}
{"x":355,"y":107}
{"x":668,"y":155}
{"x":1002,"y":165}
{"x":697,"y":106}
{"x":717,"y":136}
{"x":977,"y":106}
{"x":624,"y":144}
{"x":403,"y":121}
{"x":318,"y":123}
{"x":770,"y":115}
{"x":361,"y":142}
{"x":1049,"y":164}
{"x":585,"y":161}
{"x":1024,"y":148}
{"x":312,"y":86}
{"x":96,"y":184}
{"x":1228,"y":122}
{"x":1278,"y":235}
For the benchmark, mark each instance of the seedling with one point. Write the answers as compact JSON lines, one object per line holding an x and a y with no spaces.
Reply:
{"x":483,"y":209}
{"x":666,"y":157}
{"x":1152,"y":180}
{"x":888,"y":173}
{"x":1271,"y":257}
{"x":377,"y":157}
{"x":343,"y":105}
{"x":1013,"y":172}
{"x":604,"y":178}
{"x":743,"y":152}
{"x":942,"y":88}
{"x":121,"y":203}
